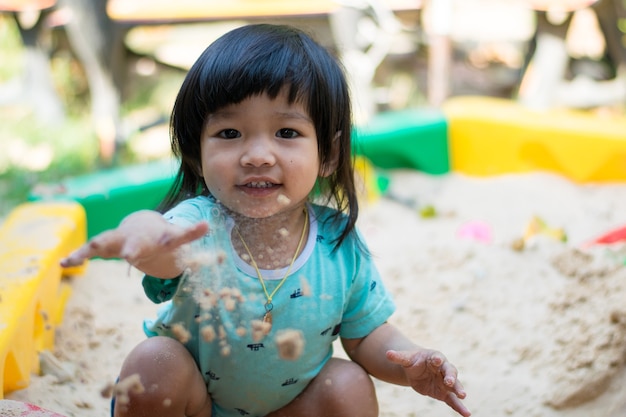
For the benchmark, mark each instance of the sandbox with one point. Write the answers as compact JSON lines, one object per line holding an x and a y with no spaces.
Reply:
{"x":535,"y":330}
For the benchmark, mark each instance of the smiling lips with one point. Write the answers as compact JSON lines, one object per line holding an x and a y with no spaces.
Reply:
{"x":260,"y":184}
{"x":259,"y":188}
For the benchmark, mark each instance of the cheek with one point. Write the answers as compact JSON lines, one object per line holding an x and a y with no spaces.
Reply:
{"x":211,"y":166}
{"x":208,"y":153}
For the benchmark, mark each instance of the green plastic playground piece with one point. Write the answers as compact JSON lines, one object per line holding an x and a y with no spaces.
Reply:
{"x":110,"y":195}
{"x":413,"y":138}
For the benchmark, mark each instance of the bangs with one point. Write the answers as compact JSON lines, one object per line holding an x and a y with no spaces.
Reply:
{"x":253,"y":65}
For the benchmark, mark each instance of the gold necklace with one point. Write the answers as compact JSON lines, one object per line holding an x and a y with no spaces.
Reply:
{"x":267,"y":317}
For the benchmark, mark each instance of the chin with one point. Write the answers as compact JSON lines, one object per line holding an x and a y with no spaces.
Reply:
{"x":256,"y":212}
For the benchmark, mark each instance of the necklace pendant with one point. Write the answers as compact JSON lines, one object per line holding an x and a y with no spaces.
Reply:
{"x":267,"y":318}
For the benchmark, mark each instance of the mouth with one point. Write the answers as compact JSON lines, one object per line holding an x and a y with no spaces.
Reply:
{"x":260,"y":184}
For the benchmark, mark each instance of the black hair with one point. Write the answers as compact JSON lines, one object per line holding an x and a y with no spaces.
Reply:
{"x":258,"y":59}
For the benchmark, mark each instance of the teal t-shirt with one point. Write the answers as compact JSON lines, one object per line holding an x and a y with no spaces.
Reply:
{"x":211,"y":309}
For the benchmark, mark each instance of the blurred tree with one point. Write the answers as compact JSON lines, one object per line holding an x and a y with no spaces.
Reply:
{"x":98,"y":42}
{"x":35,"y":86}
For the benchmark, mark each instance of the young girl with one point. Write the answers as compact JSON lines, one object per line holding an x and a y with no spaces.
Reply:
{"x":257,"y":257}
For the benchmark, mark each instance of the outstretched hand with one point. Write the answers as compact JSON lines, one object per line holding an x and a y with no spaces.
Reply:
{"x":141,"y":237}
{"x":429,"y":373}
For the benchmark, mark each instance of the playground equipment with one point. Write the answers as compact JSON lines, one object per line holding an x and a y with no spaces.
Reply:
{"x":32,"y":295}
{"x":490,"y":136}
{"x":109,"y":195}
{"x":411,"y":138}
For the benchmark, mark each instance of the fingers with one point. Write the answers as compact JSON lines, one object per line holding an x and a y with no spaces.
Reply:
{"x":436,"y":363}
{"x":133,"y":246}
{"x":73,"y":259}
{"x":139,"y":247}
{"x":430,"y":373}
{"x":173,"y":239}
{"x":404,"y":359}
{"x":433,"y":359}
{"x":105,"y":245}
{"x":450,"y":374}
{"x":447,"y":370}
{"x":457,"y":405}
{"x":450,"y":379}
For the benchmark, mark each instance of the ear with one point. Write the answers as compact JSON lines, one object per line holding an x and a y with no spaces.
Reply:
{"x":330,"y":166}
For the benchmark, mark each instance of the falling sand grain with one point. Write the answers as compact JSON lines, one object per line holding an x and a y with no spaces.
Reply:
{"x":129,"y":385}
{"x":290,"y":344}
{"x":181,"y":334}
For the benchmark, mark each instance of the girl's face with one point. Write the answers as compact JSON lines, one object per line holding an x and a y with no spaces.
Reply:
{"x":260,"y":157}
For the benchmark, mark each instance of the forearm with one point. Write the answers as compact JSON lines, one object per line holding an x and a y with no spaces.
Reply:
{"x":370,"y":353}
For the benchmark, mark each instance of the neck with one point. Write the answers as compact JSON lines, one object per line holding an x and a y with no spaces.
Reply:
{"x":272,"y":241}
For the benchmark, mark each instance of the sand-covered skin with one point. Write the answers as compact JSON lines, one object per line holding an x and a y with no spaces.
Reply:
{"x":536,"y":332}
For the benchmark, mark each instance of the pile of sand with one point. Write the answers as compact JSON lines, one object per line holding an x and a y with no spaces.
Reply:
{"x":538,"y":331}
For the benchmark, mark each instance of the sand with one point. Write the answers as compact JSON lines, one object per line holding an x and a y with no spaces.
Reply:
{"x":538,"y":331}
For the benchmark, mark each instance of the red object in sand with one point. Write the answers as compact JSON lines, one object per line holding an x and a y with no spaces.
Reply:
{"x":613,"y":236}
{"x":22,"y":409}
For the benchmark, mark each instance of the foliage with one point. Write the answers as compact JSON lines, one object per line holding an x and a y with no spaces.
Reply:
{"x":35,"y":153}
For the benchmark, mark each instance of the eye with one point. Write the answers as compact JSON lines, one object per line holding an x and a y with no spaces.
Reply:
{"x":229,"y":134}
{"x":287,"y":133}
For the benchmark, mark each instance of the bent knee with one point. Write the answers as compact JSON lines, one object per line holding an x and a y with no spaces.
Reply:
{"x":159,"y":356}
{"x":160,"y":374}
{"x":348,"y":385}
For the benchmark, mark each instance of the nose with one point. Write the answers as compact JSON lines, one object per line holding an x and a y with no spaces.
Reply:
{"x":258,"y":151}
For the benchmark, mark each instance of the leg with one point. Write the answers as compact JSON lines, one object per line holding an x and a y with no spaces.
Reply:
{"x":173,"y":385}
{"x":342,"y":389}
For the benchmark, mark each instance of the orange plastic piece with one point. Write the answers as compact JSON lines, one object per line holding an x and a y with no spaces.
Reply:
{"x":33,"y":238}
{"x":491,"y":136}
